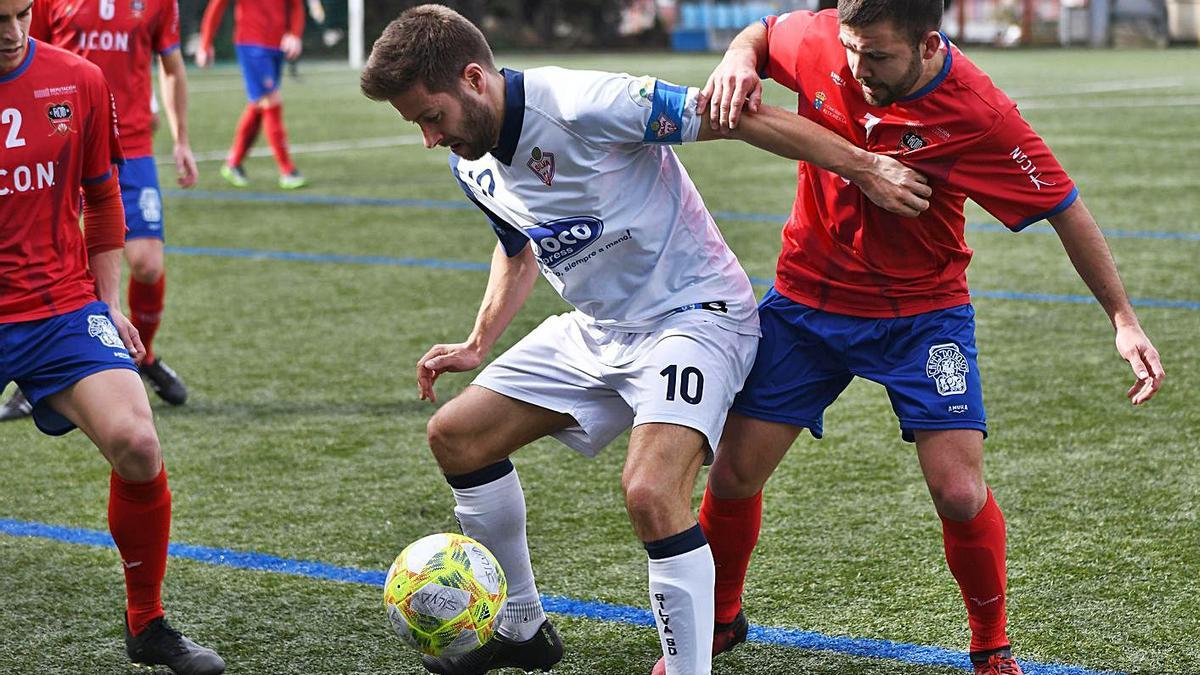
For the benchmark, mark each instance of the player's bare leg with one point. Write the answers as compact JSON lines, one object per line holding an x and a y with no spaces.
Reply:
{"x":111,"y":408}
{"x":974,"y":536}
{"x":472,"y":437}
{"x":147,"y":292}
{"x":731,"y":515}
{"x":658,"y":480}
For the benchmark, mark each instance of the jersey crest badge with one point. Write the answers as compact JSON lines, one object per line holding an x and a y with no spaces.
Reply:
{"x":102,"y":329}
{"x":59,"y":115}
{"x":542,"y":164}
{"x":819,"y":100}
{"x":137,"y":7}
{"x":664,"y":126}
{"x":947,"y":367}
{"x":910,"y":141}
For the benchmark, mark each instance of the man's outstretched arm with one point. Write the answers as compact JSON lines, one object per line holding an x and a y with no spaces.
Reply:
{"x":1089,"y":253}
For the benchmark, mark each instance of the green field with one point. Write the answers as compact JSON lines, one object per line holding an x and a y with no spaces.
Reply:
{"x":304,"y":437}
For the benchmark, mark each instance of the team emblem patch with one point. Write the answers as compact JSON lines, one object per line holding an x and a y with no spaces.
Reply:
{"x":59,"y":115}
{"x":101,"y":328}
{"x":948,"y":368}
{"x":911,"y":140}
{"x":137,"y":7}
{"x":663,"y":126}
{"x":819,"y":100}
{"x":542,"y":164}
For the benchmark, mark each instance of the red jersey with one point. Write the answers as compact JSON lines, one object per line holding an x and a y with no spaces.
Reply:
{"x":120,"y":36}
{"x":58,"y":129}
{"x":842,"y":253}
{"x":261,"y":23}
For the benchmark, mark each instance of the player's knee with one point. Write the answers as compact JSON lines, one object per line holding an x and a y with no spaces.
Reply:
{"x":452,"y":445}
{"x":647,"y":502}
{"x":958,"y":500}
{"x":135,"y":452}
{"x":147,"y":269}
{"x":729,"y":479}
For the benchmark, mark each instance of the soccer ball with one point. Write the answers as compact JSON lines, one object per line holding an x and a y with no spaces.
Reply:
{"x":444,"y":594}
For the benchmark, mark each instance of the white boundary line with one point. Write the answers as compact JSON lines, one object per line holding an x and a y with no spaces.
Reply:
{"x":309,"y":148}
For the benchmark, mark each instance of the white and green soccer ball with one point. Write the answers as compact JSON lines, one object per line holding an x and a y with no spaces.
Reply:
{"x":444,"y":594}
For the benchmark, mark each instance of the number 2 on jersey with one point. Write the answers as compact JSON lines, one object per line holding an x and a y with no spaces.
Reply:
{"x":688,"y":383}
{"x":12,"y":116}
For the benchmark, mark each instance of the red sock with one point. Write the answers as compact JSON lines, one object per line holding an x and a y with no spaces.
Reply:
{"x":139,"y":518}
{"x":247,"y":132}
{"x":975,"y":552}
{"x":145,"y":310}
{"x":731,"y":527}
{"x":277,"y":136}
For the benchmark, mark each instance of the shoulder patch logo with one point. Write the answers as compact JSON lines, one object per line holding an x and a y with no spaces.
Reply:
{"x":947,"y":367}
{"x":137,"y":7}
{"x":664,"y":126}
{"x":101,"y":328}
{"x":59,"y":116}
{"x":641,"y":91}
{"x":542,"y":164}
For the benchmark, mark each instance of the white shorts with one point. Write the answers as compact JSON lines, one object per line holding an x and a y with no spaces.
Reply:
{"x":685,"y":373}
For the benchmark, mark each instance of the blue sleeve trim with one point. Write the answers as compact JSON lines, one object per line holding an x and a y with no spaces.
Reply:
{"x":1062,"y":206}
{"x":168,"y":50}
{"x":666,"y":115}
{"x":511,"y":238}
{"x":98,"y":179}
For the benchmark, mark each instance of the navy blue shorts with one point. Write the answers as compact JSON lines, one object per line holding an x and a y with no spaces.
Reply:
{"x":46,"y":356}
{"x":142,"y":198}
{"x":807,"y":357}
{"x":261,"y":69}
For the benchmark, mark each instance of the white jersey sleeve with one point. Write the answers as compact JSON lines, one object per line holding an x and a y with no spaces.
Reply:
{"x":620,"y":108}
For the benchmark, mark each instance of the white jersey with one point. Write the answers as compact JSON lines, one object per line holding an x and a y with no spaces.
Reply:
{"x":581,"y":173}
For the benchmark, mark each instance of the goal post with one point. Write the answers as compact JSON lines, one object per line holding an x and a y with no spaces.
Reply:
{"x":355,"y":19}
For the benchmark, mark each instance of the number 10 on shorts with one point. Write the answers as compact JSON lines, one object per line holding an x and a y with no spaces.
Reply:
{"x":688,"y":384}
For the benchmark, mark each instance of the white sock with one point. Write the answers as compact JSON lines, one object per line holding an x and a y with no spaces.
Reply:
{"x":493,"y":514}
{"x":681,"y":599}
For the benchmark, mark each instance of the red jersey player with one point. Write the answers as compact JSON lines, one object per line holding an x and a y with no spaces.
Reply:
{"x":862,"y":293}
{"x":67,"y":344}
{"x":265,"y":33}
{"x":122,"y":38}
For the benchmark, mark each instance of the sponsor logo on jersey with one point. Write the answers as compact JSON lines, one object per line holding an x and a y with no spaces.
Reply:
{"x":103,"y":41}
{"x":26,"y":178}
{"x":55,"y":91}
{"x":101,"y":328}
{"x":542,"y":164}
{"x":1026,"y":164}
{"x":837,"y":79}
{"x":947,"y":367}
{"x":557,"y":241}
{"x":59,"y":115}
{"x":911,"y":140}
{"x":819,"y":102}
{"x":664,"y":126}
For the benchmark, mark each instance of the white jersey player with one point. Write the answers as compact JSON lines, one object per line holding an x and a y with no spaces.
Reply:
{"x":573,"y":172}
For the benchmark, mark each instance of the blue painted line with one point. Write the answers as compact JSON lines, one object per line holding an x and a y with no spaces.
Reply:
{"x":584,"y":609}
{"x":292,"y":256}
{"x":776,"y":218}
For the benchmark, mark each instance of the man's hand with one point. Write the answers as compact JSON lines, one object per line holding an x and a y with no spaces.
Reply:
{"x":1135,"y":347}
{"x":893,"y":186}
{"x":729,"y":86}
{"x":185,"y":166}
{"x":129,"y":334}
{"x":456,"y":358}
{"x":291,"y":46}
{"x":204,"y":57}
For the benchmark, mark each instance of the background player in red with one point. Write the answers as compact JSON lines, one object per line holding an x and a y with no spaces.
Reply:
{"x":863,"y":293}
{"x":66,"y":342}
{"x":265,"y":33}
{"x":123,"y":38}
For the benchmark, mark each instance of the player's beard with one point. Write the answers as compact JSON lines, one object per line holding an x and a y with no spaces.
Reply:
{"x":481,"y":130}
{"x":883,"y":94}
